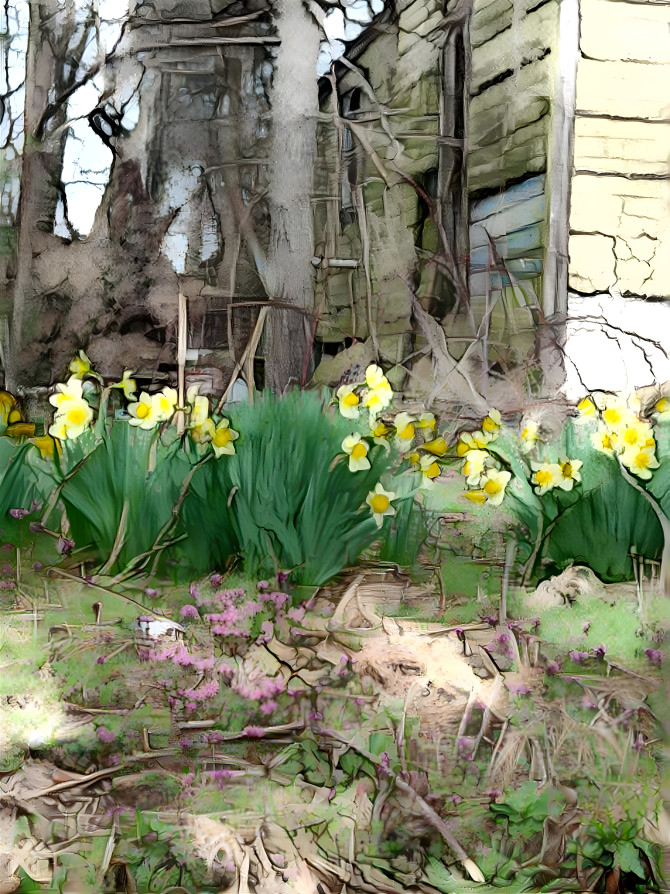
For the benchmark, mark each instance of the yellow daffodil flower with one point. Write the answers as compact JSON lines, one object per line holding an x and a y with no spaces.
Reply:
{"x":46,"y":445}
{"x":349,"y":401}
{"x":639,"y":462}
{"x":662,"y":408}
{"x":143,"y":412}
{"x":474,"y":466}
{"x":414,"y":459}
{"x":617,"y":415}
{"x":477,"y":496}
{"x":586,"y":409}
{"x":604,"y":440}
{"x":164,"y":403}
{"x":569,"y":473}
{"x":472,"y":440}
{"x":640,"y":434}
{"x":493,"y":484}
{"x":14,"y":416}
{"x":203,"y":433}
{"x":199,"y":406}
{"x":530,"y":434}
{"x":7,"y":404}
{"x":73,"y":413}
{"x":357,"y":449}
{"x":379,"y":501}
{"x":429,"y":467}
{"x":546,"y":476}
{"x":80,"y":365}
{"x":222,"y":440}
{"x":127,"y":384}
{"x":438,"y":446}
{"x":379,"y":393}
{"x":404,"y":426}
{"x":491,"y":423}
{"x":20,"y":430}
{"x":426,"y":422}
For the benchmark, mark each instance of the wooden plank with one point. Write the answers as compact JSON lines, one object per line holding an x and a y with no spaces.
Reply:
{"x":518,"y":194}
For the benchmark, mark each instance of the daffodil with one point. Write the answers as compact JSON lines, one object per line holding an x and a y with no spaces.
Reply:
{"x":493,"y":484}
{"x":546,"y":476}
{"x":472,"y":440}
{"x":199,"y":405}
{"x":491,"y":423}
{"x":476,"y":496}
{"x":20,"y":430}
{"x":203,"y":433}
{"x":639,"y":434}
{"x":7,"y":404}
{"x":379,"y":393}
{"x":223,"y":437}
{"x":414,"y":458}
{"x":569,"y":473}
{"x":357,"y":449}
{"x":143,"y":412}
{"x":586,"y":409}
{"x":530,"y":434}
{"x":429,"y":467}
{"x":639,"y":462}
{"x":438,"y":446}
{"x":164,"y":403}
{"x":80,"y":365}
{"x":349,"y":401}
{"x":426,"y":422}
{"x":474,"y":465}
{"x":617,"y":415}
{"x":604,"y":440}
{"x":73,"y":413}
{"x":379,"y":501}
{"x":662,"y":408}
{"x":46,"y":445}
{"x":14,"y":416}
{"x":404,"y":426}
{"x":127,"y":384}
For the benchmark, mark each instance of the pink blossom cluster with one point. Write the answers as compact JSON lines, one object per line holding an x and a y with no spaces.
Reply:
{"x":207,"y":690}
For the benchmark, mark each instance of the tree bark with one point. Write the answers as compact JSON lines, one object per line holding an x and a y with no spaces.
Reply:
{"x":290,"y":275}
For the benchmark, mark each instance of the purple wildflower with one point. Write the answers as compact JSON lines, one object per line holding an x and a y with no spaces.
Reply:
{"x":490,"y":619}
{"x":189,"y":611}
{"x":254,"y":732}
{"x":213,"y":738}
{"x":37,"y":566}
{"x":7,"y":584}
{"x":282,"y":577}
{"x":105,"y":735}
{"x":101,"y":660}
{"x":7,"y":569}
{"x":150,"y":592}
{"x":456,"y":800}
{"x":585,"y":626}
{"x":655,"y":656}
{"x":19,"y":513}
{"x":599,"y":651}
{"x":7,"y":547}
{"x":578,"y":657}
{"x":639,"y":743}
{"x":65,"y":546}
{"x":195,"y":594}
{"x":36,"y":527}
{"x":216,"y":580}
{"x":296,"y":614}
{"x":267,"y":632}
{"x":263,"y":585}
{"x":269,"y":707}
{"x":465,"y":745}
{"x":589,"y":704}
{"x":315,"y":715}
{"x":553,"y":667}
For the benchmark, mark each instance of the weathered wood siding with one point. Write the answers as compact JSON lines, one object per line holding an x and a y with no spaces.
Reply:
{"x":513,"y":59}
{"x":620,"y":205}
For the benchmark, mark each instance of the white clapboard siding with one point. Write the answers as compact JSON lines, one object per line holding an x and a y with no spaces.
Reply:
{"x":515,"y":220}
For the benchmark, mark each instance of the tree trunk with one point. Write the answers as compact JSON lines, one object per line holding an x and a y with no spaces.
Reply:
{"x":290,"y":277}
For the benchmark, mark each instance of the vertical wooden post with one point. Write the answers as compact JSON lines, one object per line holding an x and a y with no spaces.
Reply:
{"x":182,"y":339}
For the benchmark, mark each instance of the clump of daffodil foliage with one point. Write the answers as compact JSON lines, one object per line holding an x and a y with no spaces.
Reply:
{"x":595,"y":494}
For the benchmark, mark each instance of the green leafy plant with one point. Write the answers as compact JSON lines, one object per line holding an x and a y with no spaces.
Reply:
{"x":292,"y":501}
